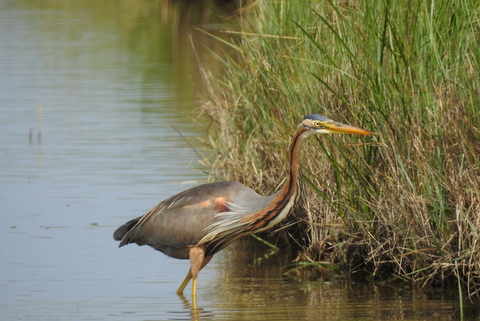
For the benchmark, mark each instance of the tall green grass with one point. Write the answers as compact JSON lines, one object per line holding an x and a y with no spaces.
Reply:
{"x":405,"y":203}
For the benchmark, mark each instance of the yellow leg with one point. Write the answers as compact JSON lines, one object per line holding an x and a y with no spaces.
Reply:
{"x":185,"y":282}
{"x":194,"y":293}
{"x":194,"y":288}
{"x":197,"y":262}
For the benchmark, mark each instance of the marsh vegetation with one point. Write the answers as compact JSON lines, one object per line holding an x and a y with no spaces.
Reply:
{"x":404,"y":204}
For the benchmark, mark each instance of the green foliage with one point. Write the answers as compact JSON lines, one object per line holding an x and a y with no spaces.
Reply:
{"x":403,"y":203}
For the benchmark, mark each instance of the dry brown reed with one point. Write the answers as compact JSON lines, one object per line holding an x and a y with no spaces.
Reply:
{"x":405,"y":204}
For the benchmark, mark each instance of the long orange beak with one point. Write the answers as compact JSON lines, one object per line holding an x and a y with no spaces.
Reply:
{"x":334,"y":127}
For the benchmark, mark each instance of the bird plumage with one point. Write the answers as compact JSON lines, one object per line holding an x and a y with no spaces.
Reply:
{"x":170,"y":228}
{"x":197,"y":223}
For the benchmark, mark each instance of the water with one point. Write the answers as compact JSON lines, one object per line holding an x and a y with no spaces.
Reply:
{"x":92,"y":97}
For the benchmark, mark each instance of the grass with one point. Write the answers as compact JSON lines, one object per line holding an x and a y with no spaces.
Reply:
{"x":403,"y":204}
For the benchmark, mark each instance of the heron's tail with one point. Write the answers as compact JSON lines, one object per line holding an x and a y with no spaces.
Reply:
{"x":119,"y":234}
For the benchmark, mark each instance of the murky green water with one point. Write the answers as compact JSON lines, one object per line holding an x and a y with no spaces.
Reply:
{"x":91,"y":97}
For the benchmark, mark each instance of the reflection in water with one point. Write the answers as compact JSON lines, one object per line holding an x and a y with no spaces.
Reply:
{"x":251,"y":290}
{"x":167,"y":34}
{"x":90,"y":93}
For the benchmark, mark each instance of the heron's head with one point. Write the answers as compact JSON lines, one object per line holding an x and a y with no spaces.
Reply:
{"x":317,"y":124}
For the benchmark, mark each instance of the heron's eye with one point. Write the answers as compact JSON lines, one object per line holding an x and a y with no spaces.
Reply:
{"x":317,"y":124}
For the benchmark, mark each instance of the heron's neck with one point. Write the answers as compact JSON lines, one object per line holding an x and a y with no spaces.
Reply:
{"x":232,"y":225}
{"x":294,"y":161}
{"x":284,"y":201}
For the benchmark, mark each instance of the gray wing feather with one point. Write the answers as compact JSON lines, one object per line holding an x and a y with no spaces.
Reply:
{"x":181,"y":220}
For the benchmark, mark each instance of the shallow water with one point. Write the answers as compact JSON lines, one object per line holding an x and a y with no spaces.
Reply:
{"x":92,"y":99}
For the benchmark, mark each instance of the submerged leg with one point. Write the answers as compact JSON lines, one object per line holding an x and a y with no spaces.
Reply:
{"x":185,"y":282}
{"x":196,"y":259}
{"x":197,"y":262}
{"x":194,"y":289}
{"x":194,"y":282}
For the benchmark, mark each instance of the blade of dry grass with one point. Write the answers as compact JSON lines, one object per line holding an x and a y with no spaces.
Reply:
{"x":404,"y":203}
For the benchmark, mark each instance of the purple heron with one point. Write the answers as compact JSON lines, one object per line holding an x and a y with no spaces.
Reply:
{"x":197,"y":223}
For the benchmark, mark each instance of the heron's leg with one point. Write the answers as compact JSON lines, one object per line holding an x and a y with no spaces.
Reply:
{"x":198,"y":262}
{"x":194,"y":281}
{"x":197,"y":254}
{"x":185,"y":282}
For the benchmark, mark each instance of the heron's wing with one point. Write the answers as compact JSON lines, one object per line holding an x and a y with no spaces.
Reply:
{"x":181,"y":220}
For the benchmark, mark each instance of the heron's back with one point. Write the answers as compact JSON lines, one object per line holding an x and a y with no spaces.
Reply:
{"x":181,"y":220}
